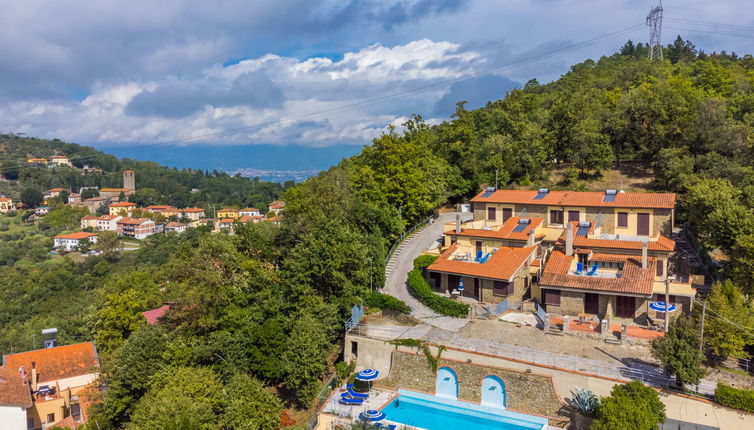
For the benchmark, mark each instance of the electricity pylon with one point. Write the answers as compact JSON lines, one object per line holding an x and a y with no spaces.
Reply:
{"x":654,"y":21}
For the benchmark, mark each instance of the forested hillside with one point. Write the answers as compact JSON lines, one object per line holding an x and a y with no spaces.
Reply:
{"x":264,"y":308}
{"x":155,"y":184}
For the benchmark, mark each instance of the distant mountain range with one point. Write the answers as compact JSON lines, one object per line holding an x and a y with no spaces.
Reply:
{"x":277,"y":163}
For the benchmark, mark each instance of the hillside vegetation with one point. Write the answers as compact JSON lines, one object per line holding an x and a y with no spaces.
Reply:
{"x":265,"y":307}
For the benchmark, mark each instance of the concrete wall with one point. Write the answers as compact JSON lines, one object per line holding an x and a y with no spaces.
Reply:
{"x":12,"y":418}
{"x":525,"y":392}
{"x":371,"y":354}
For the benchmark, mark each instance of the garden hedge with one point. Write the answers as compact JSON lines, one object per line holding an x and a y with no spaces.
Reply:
{"x":420,"y":289}
{"x":387,"y":302}
{"x":735,"y":397}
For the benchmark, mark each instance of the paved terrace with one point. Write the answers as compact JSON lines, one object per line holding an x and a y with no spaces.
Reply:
{"x":647,"y":373}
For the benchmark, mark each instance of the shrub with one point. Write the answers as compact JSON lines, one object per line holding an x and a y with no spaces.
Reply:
{"x":631,"y":406}
{"x":585,"y":401}
{"x":423,"y":261}
{"x":420,"y":289}
{"x":570,"y":175}
{"x":386,"y":302}
{"x":735,"y":397}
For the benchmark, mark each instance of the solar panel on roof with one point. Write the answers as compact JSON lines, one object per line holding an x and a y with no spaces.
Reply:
{"x":541,"y":194}
{"x":582,"y":231}
{"x":521,"y":226}
{"x":487,"y":193}
{"x":609,"y":198}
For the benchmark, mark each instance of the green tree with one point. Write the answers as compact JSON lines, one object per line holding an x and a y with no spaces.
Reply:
{"x":182,"y":398}
{"x":721,"y":338}
{"x":303,"y":361}
{"x":673,"y":168}
{"x":118,"y":318}
{"x":249,"y":406}
{"x":107,"y":243}
{"x":31,"y":195}
{"x":742,"y":263}
{"x":10,"y":169}
{"x":88,"y":193}
{"x":679,"y":352}
{"x":592,"y":151}
{"x":631,"y":406}
{"x":84,"y":245}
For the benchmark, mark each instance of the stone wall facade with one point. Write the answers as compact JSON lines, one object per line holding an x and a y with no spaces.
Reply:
{"x":525,"y":392}
{"x":572,"y":303}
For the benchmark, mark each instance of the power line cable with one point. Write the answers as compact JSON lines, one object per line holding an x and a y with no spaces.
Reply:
{"x":367,"y":102}
{"x":710,"y":24}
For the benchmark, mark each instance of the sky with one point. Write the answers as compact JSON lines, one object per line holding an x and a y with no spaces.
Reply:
{"x":314,"y":73}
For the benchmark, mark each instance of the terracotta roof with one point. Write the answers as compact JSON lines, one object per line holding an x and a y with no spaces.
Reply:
{"x":227,"y":221}
{"x":58,"y":362}
{"x":662,"y":244}
{"x":56,"y":190}
{"x":58,"y":156}
{"x":152,"y":316}
{"x":13,"y":390}
{"x":580,"y":198}
{"x":89,"y":217}
{"x":133,"y":221}
{"x":5,"y":199}
{"x":633,"y":279}
{"x":110,"y":190}
{"x":249,"y":210}
{"x":192,"y":210}
{"x":108,"y":217}
{"x":121,"y":205}
{"x":503,"y":232}
{"x":250,"y":218}
{"x":174,"y":224}
{"x":78,"y":235}
{"x":161,"y":208}
{"x":228,"y":210}
{"x":503,"y":264}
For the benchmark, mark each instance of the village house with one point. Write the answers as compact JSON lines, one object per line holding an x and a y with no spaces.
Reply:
{"x":227,"y":213}
{"x":605,"y":254}
{"x":93,"y":204}
{"x":177,"y":227}
{"x":164,"y":210}
{"x":224,"y":223}
{"x":52,"y":193}
{"x":37,"y":161}
{"x":121,"y":208}
{"x":251,"y":219}
{"x":15,"y":399}
{"x":138,"y":228}
{"x":249,"y":212}
{"x":114,"y":193}
{"x":74,"y":197}
{"x":276,"y":207}
{"x":108,"y":222}
{"x":59,"y":160}
{"x":88,"y":221}
{"x":71,"y":241}
{"x":194,"y":214}
{"x":55,"y":377}
{"x":6,"y":205}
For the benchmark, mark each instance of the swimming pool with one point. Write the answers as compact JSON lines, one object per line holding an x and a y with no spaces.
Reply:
{"x":435,"y":413}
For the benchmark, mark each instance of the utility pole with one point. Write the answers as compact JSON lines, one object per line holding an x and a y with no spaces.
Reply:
{"x":654,"y":22}
{"x":495,"y":178}
{"x":371,"y":288}
{"x":701,"y":328}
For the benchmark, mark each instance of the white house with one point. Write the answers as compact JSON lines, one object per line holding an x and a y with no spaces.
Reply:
{"x":249,"y":212}
{"x":70,"y":242}
{"x":15,"y":399}
{"x":177,"y":227}
{"x":108,"y":222}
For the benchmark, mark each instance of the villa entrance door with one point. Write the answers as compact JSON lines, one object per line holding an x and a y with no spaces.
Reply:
{"x":591,"y":303}
{"x":642,"y":224}
{"x":625,"y":306}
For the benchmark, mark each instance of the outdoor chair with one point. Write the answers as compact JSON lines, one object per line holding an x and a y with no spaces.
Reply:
{"x":579,"y":268}
{"x":593,"y":270}
{"x":354,"y":394}
{"x":479,"y":255}
{"x":350,"y":401}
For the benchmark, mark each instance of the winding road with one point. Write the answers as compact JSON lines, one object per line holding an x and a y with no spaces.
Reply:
{"x":402,"y":261}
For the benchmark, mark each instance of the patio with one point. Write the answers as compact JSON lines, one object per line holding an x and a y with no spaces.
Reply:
{"x":593,"y":327}
{"x":377,"y":399}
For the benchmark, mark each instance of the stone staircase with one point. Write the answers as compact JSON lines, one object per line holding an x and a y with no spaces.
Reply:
{"x":396,"y":255}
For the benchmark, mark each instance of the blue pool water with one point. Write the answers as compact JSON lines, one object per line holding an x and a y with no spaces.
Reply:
{"x":436,"y":413}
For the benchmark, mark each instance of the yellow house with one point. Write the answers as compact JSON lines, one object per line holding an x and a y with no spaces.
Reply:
{"x":227,"y":213}
{"x":6,"y":205}
{"x":41,"y":161}
{"x":121,"y":207}
{"x":56,"y":377}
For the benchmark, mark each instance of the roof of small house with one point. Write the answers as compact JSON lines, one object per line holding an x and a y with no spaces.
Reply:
{"x":76,"y":236}
{"x":134,"y":221}
{"x":152,"y":316}
{"x":55,"y":190}
{"x":122,"y":205}
{"x":13,"y":389}
{"x":579,"y":198}
{"x":503,"y":264}
{"x":56,"y":363}
{"x":507,"y":231}
{"x":192,"y":210}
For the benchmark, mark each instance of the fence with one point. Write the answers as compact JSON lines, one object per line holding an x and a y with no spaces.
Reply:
{"x":404,"y":236}
{"x":357,"y":312}
{"x":740,"y":363}
{"x":320,"y":400}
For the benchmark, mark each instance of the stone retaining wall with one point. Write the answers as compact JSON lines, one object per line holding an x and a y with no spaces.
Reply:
{"x":525,"y":392}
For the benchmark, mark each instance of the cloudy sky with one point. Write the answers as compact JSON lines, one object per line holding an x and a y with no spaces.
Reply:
{"x":308,"y":72}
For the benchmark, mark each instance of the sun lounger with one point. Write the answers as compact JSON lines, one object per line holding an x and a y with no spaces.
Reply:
{"x":579,"y":268}
{"x":354,"y":394}
{"x":350,"y":401}
{"x":479,"y":255}
{"x":593,"y":270}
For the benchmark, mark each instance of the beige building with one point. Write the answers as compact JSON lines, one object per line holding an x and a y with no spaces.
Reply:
{"x":121,"y":208}
{"x":6,"y":205}
{"x":55,"y":377}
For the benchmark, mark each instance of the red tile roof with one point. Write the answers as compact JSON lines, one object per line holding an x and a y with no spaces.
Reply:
{"x":107,"y":217}
{"x":503,"y":264}
{"x":134,"y":221}
{"x":121,"y":205}
{"x":89,"y":218}
{"x":503,"y":232}
{"x":633,"y":279}
{"x":662,"y":244}
{"x":580,"y":198}
{"x":13,"y":390}
{"x":56,"y":190}
{"x":227,"y":220}
{"x":249,"y":210}
{"x":192,"y":210}
{"x":152,"y":316}
{"x":250,"y":218}
{"x":58,"y":362}
{"x":161,"y":208}
{"x":78,"y":235}
{"x":111,"y":190}
{"x":5,"y":199}
{"x":174,"y":224}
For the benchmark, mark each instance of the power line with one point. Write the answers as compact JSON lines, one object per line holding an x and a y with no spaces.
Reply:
{"x":710,"y":24}
{"x":397,"y":94}
{"x":720,"y":33}
{"x":745,"y":330}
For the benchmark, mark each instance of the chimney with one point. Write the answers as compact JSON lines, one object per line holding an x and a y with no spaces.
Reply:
{"x":531,"y":238}
{"x":569,"y":239}
{"x":644,"y":246}
{"x":458,"y":223}
{"x":33,"y":376}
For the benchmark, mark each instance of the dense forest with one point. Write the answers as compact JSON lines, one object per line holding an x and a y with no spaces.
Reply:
{"x":257,"y":315}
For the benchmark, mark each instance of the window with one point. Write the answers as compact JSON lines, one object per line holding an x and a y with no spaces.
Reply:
{"x":556,"y":217}
{"x":50,"y":418}
{"x":491,"y":214}
{"x":573,"y":216}
{"x":552,"y":297}
{"x":500,"y":288}
{"x":354,"y":349}
{"x":507,"y":213}
{"x":623,"y":219}
{"x":660,"y":267}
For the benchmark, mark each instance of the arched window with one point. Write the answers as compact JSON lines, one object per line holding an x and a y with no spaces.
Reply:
{"x":493,"y":392}
{"x":446,"y":384}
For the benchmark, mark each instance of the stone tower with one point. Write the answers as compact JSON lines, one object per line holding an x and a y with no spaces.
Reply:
{"x":129,"y":180}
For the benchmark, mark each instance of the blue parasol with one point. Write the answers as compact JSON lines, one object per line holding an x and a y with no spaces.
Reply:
{"x":660,"y":307}
{"x":367,"y":375}
{"x":372,"y":415}
{"x":460,"y":284}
